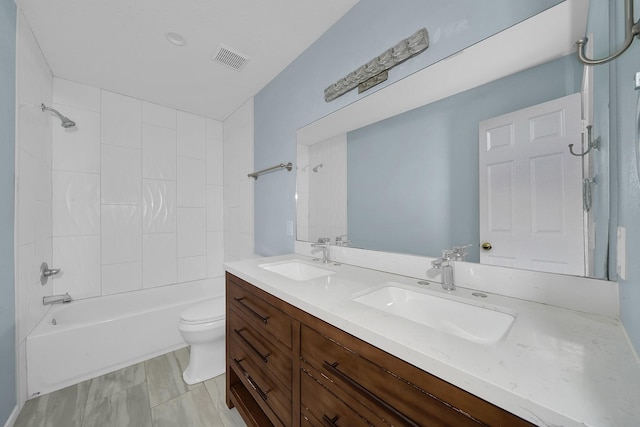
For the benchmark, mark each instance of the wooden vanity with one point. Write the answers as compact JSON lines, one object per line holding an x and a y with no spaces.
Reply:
{"x":286,"y":367}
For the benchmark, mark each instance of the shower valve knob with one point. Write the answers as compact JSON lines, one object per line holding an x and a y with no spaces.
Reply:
{"x":46,"y":272}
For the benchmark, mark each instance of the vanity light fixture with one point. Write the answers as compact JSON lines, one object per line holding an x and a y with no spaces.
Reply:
{"x":375,"y":71}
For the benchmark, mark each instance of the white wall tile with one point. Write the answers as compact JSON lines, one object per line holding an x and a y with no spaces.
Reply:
{"x":191,"y":182}
{"x":215,"y":162}
{"x":121,"y":175}
{"x":121,"y":233}
{"x":192,"y":268}
{"x":21,"y":373}
{"x":232,"y":246}
{"x":76,"y":203}
{"x":158,"y":152}
{"x":26,"y":195}
{"x":158,"y":115}
{"x":215,"y":210}
{"x":44,"y":182}
{"x":125,"y":277}
{"x":43,"y":233}
{"x":192,"y":238}
{"x":77,"y":149}
{"x":135,"y":174}
{"x":121,"y":120}
{"x":79,"y":259}
{"x":247,"y":249}
{"x":215,"y":129}
{"x":158,"y":206}
{"x":246,"y":206}
{"x":31,"y":124}
{"x":33,"y":188}
{"x":28,"y":265}
{"x":159,"y":260}
{"x":30,"y":293}
{"x":215,"y":253}
{"x":192,"y":135}
{"x":238,"y":190}
{"x":72,"y":94}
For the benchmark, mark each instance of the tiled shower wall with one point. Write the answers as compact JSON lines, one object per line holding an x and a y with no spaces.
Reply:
{"x":33,"y":189}
{"x":238,"y":187}
{"x":137,"y":194}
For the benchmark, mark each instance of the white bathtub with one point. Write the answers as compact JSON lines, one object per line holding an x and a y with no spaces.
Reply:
{"x":98,"y":335}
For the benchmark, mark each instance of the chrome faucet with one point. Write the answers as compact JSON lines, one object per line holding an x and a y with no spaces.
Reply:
{"x":444,"y":264}
{"x":323,"y":242}
{"x":57,"y":299}
{"x":460,"y":252}
{"x":342,"y":240}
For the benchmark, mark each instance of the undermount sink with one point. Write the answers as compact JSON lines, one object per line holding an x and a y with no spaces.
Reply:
{"x":468,"y":321}
{"x":297,"y":270}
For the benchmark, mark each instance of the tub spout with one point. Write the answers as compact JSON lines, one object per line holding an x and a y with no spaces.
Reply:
{"x":57,"y":299}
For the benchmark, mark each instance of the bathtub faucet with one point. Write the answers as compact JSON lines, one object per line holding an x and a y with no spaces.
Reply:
{"x":56,"y":299}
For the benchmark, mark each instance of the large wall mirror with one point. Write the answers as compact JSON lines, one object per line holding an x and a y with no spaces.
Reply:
{"x":405,"y":177}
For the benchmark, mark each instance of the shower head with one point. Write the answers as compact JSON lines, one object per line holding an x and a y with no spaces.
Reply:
{"x":317,"y":167}
{"x":66,"y":121}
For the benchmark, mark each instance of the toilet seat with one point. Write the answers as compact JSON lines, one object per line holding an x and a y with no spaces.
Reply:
{"x":207,"y":311}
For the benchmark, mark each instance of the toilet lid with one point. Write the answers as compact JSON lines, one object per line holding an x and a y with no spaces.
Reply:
{"x":205,"y":311}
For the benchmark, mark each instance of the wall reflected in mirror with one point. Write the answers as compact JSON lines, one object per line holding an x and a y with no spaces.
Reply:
{"x":409,"y":183}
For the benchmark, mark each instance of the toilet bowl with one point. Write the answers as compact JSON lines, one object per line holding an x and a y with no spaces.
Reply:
{"x":202,"y":326}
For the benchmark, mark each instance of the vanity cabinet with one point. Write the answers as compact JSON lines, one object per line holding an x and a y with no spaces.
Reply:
{"x":288,"y":368}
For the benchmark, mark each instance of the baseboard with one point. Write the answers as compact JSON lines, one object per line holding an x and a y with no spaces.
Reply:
{"x":13,"y":417}
{"x":630,"y":343}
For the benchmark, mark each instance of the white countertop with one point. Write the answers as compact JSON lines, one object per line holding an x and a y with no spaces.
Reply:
{"x":555,"y":367}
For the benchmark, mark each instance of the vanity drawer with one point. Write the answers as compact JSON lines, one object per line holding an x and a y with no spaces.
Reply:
{"x":262,"y":314}
{"x":379,"y":388}
{"x":276,"y":401}
{"x":262,"y":351}
{"x":322,"y":408}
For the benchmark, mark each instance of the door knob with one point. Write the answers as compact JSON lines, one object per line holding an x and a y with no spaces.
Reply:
{"x":486,"y":246}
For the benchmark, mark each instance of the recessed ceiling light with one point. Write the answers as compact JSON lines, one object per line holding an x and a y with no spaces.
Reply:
{"x":176,"y":39}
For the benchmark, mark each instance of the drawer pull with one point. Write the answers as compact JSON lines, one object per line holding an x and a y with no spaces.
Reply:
{"x":252,"y":382}
{"x":333,"y":368}
{"x":331,"y":422}
{"x":238,"y":332}
{"x":255,"y":313}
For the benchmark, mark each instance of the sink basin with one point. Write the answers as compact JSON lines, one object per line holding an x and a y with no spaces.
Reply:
{"x":468,"y":321}
{"x":297,"y":270}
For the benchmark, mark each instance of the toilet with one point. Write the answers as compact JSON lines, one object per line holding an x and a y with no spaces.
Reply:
{"x":203,"y":327}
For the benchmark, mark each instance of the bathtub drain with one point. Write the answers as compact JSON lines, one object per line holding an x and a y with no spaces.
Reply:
{"x":53,"y":322}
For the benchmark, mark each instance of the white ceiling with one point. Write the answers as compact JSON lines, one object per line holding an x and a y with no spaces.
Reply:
{"x":120,"y":45}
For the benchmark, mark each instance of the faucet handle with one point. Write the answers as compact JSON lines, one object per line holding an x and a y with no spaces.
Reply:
{"x":437,"y":263}
{"x":461,"y":252}
{"x":342,"y":240}
{"x":448,"y":254}
{"x":324,"y":240}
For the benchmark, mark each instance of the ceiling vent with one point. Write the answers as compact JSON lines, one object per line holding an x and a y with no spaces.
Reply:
{"x":229,"y":57}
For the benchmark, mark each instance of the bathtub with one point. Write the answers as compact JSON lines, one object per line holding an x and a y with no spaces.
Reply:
{"x":87,"y":338}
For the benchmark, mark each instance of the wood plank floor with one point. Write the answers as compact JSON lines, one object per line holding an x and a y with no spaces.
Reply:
{"x":149,"y":394}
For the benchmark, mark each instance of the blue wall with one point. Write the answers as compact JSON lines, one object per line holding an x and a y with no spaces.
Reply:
{"x":624,"y":130}
{"x":7,"y":170}
{"x":295,"y":97}
{"x":421,"y":167}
